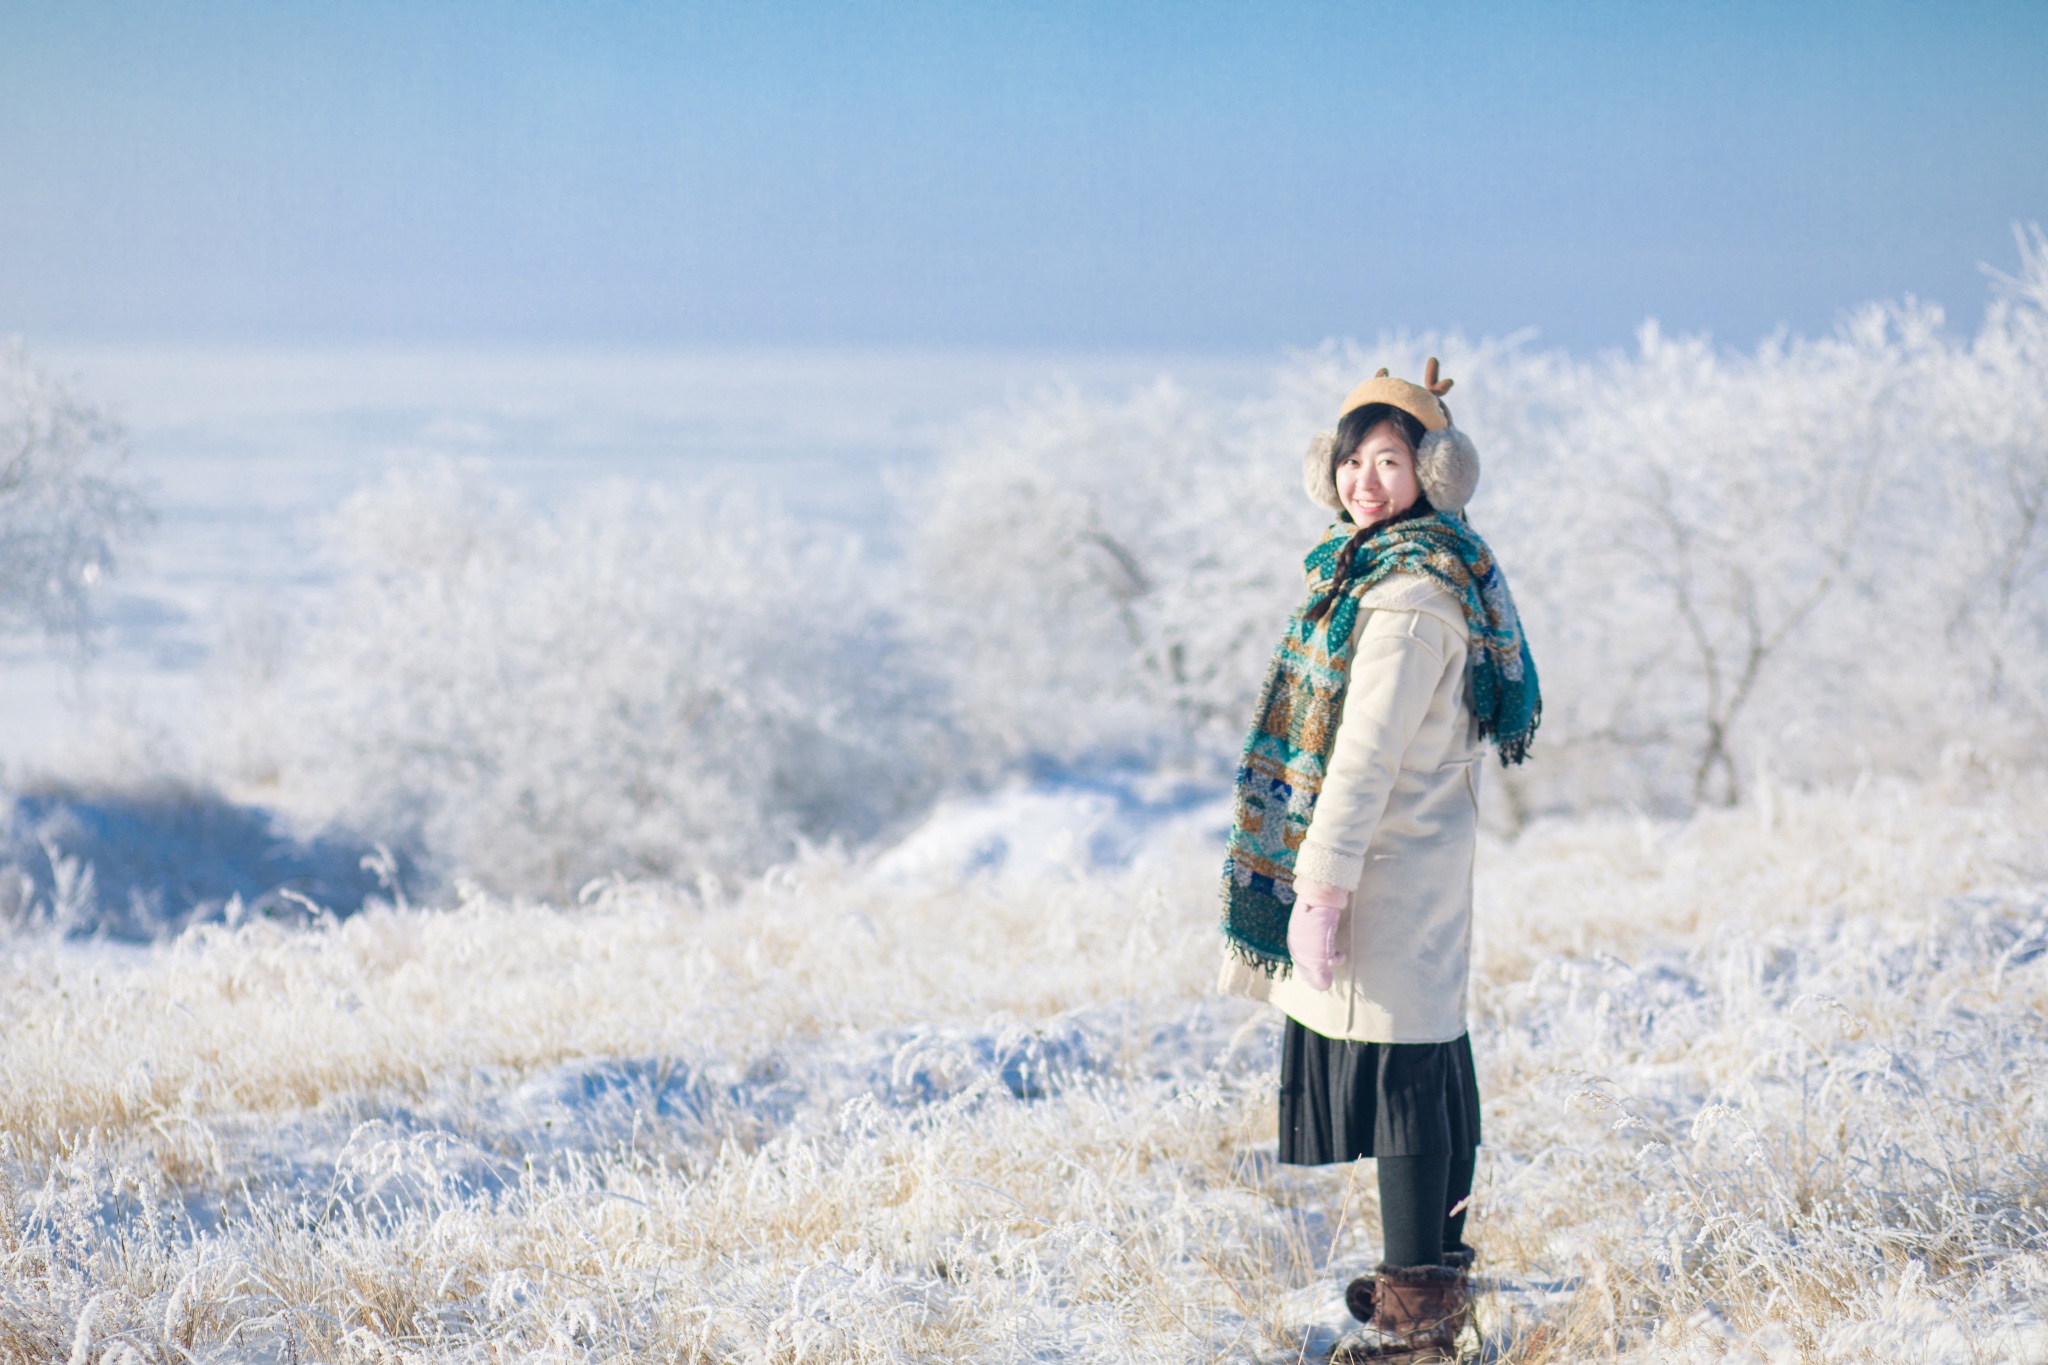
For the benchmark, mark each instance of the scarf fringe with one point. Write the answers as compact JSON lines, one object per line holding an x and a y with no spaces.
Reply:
{"x":1516,"y":749}
{"x":1278,"y":967}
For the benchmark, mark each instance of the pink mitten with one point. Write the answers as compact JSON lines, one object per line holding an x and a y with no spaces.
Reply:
{"x":1312,"y":934}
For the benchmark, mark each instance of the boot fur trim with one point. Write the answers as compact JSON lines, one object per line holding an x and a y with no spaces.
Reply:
{"x":1419,"y":1274}
{"x":1361,"y":1295}
{"x":1418,"y":1312}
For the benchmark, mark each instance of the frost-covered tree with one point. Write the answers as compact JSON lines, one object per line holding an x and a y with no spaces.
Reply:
{"x":1710,"y":509}
{"x":631,"y":682}
{"x":1097,"y":578}
{"x":1991,"y":400}
{"x":66,"y":502}
{"x":1819,"y":555}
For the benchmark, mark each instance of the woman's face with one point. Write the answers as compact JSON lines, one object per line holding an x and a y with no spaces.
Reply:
{"x":1377,"y":480}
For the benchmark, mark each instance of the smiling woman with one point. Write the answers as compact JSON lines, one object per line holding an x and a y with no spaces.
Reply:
{"x":1348,"y":886}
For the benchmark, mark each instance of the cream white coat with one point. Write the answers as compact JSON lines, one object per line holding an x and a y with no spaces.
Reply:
{"x":1396,"y":822}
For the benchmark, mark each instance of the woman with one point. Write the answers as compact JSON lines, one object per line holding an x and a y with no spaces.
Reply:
{"x":1348,"y":886}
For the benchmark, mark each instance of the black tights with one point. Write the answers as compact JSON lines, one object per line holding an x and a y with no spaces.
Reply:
{"x":1416,"y":1195}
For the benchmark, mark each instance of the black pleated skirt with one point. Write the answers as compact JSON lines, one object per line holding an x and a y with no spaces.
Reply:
{"x":1341,"y":1100}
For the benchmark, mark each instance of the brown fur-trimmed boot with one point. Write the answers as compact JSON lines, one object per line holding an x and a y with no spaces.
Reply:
{"x":1414,"y":1315}
{"x":1358,"y":1294}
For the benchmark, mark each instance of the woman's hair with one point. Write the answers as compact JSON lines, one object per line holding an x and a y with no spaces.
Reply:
{"x":1357,"y":423}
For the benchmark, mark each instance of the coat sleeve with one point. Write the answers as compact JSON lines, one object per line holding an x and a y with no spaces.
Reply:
{"x":1394,"y":675}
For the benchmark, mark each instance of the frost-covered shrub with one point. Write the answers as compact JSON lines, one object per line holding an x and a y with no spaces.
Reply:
{"x":1820,"y":557}
{"x":1098,"y":579}
{"x":1984,"y":551}
{"x":1704,"y":575}
{"x":632,"y":682}
{"x":66,"y":502}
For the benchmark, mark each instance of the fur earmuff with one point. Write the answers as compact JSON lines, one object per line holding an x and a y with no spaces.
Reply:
{"x":1447,"y":467}
{"x":1319,"y":471}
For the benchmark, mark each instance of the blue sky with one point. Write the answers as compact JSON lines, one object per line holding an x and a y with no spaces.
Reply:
{"x":1189,"y":176}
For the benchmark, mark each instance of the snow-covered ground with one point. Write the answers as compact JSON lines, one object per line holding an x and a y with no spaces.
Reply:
{"x":1764,"y":1085}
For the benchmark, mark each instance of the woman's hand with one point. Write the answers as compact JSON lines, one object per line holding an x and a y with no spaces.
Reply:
{"x":1312,"y":931}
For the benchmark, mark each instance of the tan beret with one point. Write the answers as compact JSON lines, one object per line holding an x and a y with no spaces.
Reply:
{"x":1413,"y":399}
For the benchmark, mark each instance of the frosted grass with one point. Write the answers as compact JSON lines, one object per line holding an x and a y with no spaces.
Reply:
{"x":1761,"y":1085}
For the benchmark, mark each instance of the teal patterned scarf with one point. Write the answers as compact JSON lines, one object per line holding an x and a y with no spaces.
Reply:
{"x":1303,"y":697}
